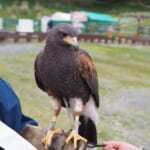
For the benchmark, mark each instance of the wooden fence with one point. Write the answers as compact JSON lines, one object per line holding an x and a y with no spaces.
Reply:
{"x":26,"y":36}
{"x":82,"y":37}
{"x":114,"y":39}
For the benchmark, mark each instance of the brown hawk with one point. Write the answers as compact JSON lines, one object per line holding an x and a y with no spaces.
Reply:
{"x":67,"y":74}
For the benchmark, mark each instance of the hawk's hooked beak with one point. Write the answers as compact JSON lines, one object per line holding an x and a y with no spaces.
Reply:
{"x":71,"y":40}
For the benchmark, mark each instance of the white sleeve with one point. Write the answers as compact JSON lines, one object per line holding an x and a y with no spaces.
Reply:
{"x":10,"y":140}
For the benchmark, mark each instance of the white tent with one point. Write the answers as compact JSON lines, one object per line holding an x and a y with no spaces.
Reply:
{"x":1,"y":23}
{"x":25,"y":25}
{"x":61,"y":16}
{"x":44,"y":22}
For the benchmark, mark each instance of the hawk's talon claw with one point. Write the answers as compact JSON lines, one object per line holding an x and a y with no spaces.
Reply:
{"x":74,"y":135}
{"x":47,"y":141}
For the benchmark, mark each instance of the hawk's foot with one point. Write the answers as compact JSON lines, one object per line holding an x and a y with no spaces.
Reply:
{"x":76,"y":137}
{"x":47,"y":141}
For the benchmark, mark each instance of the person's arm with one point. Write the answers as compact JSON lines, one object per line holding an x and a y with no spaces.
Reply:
{"x":118,"y":145}
{"x":10,"y":108}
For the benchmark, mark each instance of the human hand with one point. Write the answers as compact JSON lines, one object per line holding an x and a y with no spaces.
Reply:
{"x":118,"y":145}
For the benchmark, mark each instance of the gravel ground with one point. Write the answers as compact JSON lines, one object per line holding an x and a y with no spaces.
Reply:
{"x":19,"y":47}
{"x":130,"y":108}
{"x":23,"y":46}
{"x":131,"y":99}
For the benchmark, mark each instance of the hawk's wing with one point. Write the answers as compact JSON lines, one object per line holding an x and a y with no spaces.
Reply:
{"x":37,"y":74}
{"x":89,"y":74}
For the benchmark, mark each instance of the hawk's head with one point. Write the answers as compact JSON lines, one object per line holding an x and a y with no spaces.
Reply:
{"x":64,"y":34}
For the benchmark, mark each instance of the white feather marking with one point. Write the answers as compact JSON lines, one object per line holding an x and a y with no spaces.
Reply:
{"x":75,"y":105}
{"x":78,"y":105}
{"x":55,"y":104}
{"x":91,"y":111}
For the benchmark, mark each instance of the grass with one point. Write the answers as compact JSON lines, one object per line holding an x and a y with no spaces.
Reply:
{"x":118,"y":68}
{"x":125,"y":67}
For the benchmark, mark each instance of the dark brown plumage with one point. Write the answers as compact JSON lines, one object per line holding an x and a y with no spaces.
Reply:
{"x":68,"y":75}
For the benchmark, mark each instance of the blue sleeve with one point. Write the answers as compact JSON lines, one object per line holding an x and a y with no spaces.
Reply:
{"x":10,"y":109}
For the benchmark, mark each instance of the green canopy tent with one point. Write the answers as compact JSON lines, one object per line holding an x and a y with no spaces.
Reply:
{"x":99,"y":22}
{"x":96,"y":23}
{"x":99,"y":17}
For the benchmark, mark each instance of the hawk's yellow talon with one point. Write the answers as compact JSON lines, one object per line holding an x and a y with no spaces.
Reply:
{"x":76,"y":137}
{"x":48,"y":139}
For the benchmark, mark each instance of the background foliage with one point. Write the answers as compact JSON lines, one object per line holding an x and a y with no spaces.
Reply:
{"x":39,"y":8}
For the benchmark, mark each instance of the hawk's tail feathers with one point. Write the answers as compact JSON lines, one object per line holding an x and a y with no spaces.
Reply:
{"x":87,"y":129}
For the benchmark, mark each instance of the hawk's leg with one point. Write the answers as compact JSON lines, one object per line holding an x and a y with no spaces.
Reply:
{"x":56,"y":104}
{"x":78,"y":109}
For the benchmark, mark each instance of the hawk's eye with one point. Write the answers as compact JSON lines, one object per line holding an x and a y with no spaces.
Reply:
{"x":63,"y":34}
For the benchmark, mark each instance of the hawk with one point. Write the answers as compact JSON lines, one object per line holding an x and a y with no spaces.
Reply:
{"x":67,"y":74}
